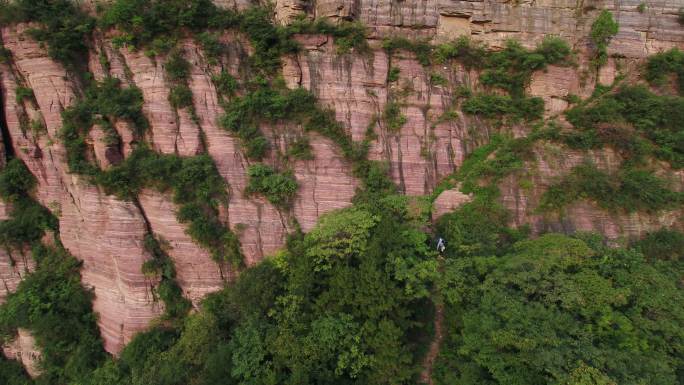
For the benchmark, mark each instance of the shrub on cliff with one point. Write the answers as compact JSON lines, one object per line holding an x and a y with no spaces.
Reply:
{"x":628,"y":190}
{"x":602,"y":31}
{"x":28,"y":220}
{"x":511,"y":68}
{"x":660,"y":119}
{"x":394,"y":119}
{"x":180,"y":96}
{"x":495,"y":106}
{"x":278,"y":188}
{"x":420,"y":48}
{"x":662,"y":64}
{"x":272,"y":102}
{"x":63,"y":26}
{"x":145,"y":20}
{"x":664,"y":244}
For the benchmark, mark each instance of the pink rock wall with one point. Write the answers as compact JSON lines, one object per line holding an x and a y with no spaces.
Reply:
{"x":104,"y":232}
{"x":197,"y":274}
{"x":23,"y":349}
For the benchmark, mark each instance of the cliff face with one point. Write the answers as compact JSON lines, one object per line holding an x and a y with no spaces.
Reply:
{"x":107,"y":233}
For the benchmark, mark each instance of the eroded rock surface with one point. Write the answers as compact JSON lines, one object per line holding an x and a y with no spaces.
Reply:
{"x":102,"y":231}
{"x":23,"y":349}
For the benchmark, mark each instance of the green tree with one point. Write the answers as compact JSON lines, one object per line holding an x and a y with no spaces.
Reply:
{"x":530,"y":316}
{"x":602,"y":31}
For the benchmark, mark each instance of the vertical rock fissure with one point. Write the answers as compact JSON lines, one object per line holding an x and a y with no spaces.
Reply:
{"x":146,"y":221}
{"x":6,"y":137}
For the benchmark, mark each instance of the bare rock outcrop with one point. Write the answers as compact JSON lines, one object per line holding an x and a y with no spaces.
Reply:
{"x":259,"y":225}
{"x":196,"y":273}
{"x":171,"y":131}
{"x":522,"y":199}
{"x":448,"y":201}
{"x":23,"y":349}
{"x":424,"y":149}
{"x":14,"y":266}
{"x":100,"y":230}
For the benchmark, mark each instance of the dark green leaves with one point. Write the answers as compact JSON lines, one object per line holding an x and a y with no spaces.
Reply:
{"x":278,"y":188}
{"x":554,"y":310}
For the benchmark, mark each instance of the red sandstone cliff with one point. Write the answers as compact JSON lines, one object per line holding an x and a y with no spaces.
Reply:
{"x":107,"y":233}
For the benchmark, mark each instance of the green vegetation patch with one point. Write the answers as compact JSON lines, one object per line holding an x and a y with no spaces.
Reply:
{"x":22,"y":93}
{"x":142,"y":21}
{"x":602,"y":31}
{"x":392,"y":116}
{"x":64,"y":27}
{"x":494,"y":106}
{"x":347,"y":35}
{"x":509,"y":70}
{"x":662,"y":64}
{"x":149,"y":22}
{"x":161,"y":265}
{"x":421,"y":48}
{"x":272,"y":102}
{"x":13,"y":373}
{"x":278,"y":188}
{"x":393,"y":74}
{"x":103,"y":103}
{"x":664,"y":244}
{"x":53,"y":305}
{"x":180,"y":96}
{"x":28,"y":219}
{"x":197,"y":188}
{"x":628,"y":190}
{"x":560,"y":310}
{"x":615,"y":117}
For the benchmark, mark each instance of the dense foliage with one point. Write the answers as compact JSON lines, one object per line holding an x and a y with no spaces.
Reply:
{"x":558,"y":310}
{"x":278,"y":188}
{"x":159,"y":23}
{"x":663,"y":64}
{"x":196,"y":184}
{"x":53,"y":305}
{"x":341,"y":305}
{"x":615,"y":117}
{"x":628,"y":190}
{"x":64,"y":27}
{"x":28,"y":220}
{"x":497,"y":106}
{"x":509,"y":70}
{"x":664,"y":244}
{"x":12,"y":373}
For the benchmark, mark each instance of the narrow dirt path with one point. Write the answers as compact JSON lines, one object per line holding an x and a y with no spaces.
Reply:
{"x":435,"y":345}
